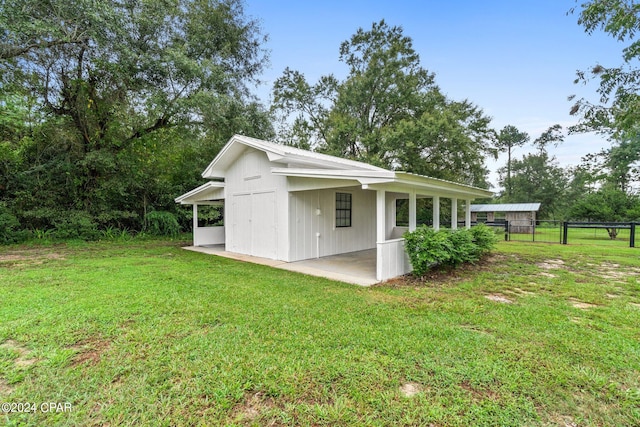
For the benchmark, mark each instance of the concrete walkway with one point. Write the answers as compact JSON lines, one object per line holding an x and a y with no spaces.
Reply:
{"x":355,"y":267}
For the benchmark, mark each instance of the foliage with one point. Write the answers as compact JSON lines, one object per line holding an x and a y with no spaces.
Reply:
{"x":114,"y":108}
{"x":617,"y":166}
{"x":536,"y":177}
{"x":76,"y":225}
{"x":10,"y":230}
{"x":428,"y":248}
{"x":508,"y":139}
{"x":388,"y":112}
{"x":161,"y":223}
{"x":539,"y":178}
{"x":618,"y":109}
{"x":485,"y":239}
{"x":607,"y":205}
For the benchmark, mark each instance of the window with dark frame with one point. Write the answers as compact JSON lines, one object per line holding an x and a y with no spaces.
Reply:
{"x":343,"y":210}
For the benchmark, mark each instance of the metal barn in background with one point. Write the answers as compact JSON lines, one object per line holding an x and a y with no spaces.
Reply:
{"x":520,"y":216}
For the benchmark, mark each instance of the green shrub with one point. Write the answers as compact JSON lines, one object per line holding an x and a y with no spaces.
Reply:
{"x":463,"y":247}
{"x":161,"y":223}
{"x":428,"y":248}
{"x":76,"y":225}
{"x":485,"y":238}
{"x":10,"y":231}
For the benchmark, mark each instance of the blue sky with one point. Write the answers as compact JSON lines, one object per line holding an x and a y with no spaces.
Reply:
{"x":515,"y":59}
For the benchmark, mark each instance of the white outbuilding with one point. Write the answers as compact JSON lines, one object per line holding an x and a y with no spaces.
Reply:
{"x":288,"y":204}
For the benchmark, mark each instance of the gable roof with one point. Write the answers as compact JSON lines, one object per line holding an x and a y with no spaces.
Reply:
{"x":295,"y":162}
{"x":280,"y":154}
{"x":507,"y":207}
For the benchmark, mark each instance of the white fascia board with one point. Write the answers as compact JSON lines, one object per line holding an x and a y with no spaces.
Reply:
{"x":333,"y":173}
{"x":272,"y":150}
{"x":428,"y":190}
{"x":441,"y":184}
{"x":274,"y":157}
{"x":191,"y":196}
{"x":326,"y":161}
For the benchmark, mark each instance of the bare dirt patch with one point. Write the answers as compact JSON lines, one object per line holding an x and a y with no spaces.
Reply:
{"x":411,"y":389}
{"x":446,"y":275}
{"x":614,"y":271}
{"x":551,"y":264}
{"x":519,"y":292}
{"x":23,"y":359}
{"x":581,"y":304}
{"x":5,"y":388}
{"x":498,"y":298}
{"x":90,"y":352}
{"x":21,"y":258}
{"x":635,"y":304}
{"x":252,"y":406}
{"x":545,"y":274}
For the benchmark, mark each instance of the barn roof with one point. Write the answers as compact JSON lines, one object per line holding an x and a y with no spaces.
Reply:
{"x":507,"y":207}
{"x":320,"y":169}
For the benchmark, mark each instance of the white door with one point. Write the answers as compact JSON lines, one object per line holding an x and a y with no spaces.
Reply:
{"x":263,"y":225}
{"x":254,"y":224}
{"x":241,"y":238}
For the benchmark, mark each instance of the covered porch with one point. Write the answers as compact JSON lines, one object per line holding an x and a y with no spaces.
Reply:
{"x":392,"y":259}
{"x":382,"y":256}
{"x":358,"y":268}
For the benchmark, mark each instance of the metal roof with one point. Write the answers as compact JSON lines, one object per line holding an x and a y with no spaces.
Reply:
{"x":507,"y":207}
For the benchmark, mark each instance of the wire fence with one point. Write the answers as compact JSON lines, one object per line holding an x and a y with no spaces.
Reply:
{"x":564,"y":232}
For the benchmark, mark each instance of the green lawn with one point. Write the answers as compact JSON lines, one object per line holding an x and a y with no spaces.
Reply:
{"x":145,"y":333}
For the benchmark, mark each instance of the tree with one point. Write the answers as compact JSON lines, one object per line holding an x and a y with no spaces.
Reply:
{"x":618,"y":109}
{"x":387,"y":112}
{"x":607,"y":204}
{"x":120,"y":88}
{"x":538,"y":177}
{"x":508,"y":139}
{"x":616,"y":166}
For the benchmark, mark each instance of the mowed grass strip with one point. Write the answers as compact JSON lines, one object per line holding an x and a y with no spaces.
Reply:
{"x":145,"y":333}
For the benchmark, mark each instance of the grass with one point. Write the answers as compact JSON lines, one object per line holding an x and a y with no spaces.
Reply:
{"x":145,"y":333}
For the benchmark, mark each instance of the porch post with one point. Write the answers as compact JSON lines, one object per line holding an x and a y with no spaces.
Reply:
{"x":412,"y":210}
{"x":381,"y":225}
{"x":454,"y":213}
{"x":195,"y":224}
{"x":436,"y":213}
{"x":467,"y":213}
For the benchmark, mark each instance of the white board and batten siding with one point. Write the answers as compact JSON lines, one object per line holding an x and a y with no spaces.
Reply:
{"x":258,"y":211}
{"x":208,"y":235}
{"x":392,"y":259}
{"x":313,"y":212}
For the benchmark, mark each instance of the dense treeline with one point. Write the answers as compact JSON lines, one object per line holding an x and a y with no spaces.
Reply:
{"x":109,"y":110}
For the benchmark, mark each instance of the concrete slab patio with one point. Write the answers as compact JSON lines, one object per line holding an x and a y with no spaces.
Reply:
{"x":355,"y":267}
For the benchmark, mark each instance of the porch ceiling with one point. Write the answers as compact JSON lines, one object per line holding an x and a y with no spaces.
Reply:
{"x":211,"y":193}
